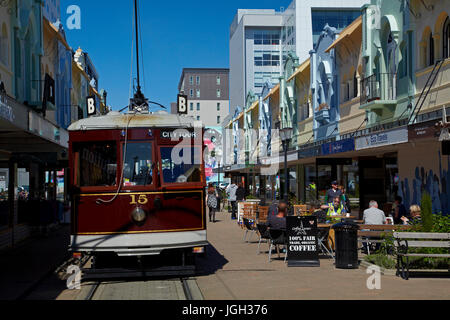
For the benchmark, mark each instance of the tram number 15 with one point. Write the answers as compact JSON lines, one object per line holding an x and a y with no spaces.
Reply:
{"x":142,"y":199}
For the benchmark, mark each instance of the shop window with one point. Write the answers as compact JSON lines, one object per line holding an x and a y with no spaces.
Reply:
{"x":95,"y":164}
{"x":4,"y":46}
{"x":4,"y":203}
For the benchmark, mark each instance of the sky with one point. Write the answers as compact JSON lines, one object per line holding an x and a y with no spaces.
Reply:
{"x":175,"y":35}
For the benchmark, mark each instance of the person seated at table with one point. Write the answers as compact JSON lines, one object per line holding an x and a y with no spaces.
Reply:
{"x":373,"y":215}
{"x":319,"y":213}
{"x":335,"y":208}
{"x":415,"y":217}
{"x":277,"y":220}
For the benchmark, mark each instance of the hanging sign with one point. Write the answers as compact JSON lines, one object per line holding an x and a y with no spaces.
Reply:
{"x":182,"y":104}
{"x":90,"y":103}
{"x":303,"y":245}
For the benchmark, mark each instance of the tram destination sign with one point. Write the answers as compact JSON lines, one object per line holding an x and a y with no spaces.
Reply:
{"x":303,"y":245}
{"x":178,"y":134}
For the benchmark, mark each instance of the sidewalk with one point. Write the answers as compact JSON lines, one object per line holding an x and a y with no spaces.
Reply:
{"x":23,"y":266}
{"x":233,"y":271}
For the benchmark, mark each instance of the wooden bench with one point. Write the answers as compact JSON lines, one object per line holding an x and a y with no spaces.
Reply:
{"x":406,"y":240}
{"x":377,"y":233}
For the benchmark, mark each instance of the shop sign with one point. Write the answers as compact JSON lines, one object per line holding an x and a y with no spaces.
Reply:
{"x":382,"y":139}
{"x":303,"y":245}
{"x":309,"y":153}
{"x":338,"y":147}
{"x":423,"y":131}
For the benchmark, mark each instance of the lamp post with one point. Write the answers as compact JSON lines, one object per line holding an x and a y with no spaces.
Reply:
{"x":286,"y":135}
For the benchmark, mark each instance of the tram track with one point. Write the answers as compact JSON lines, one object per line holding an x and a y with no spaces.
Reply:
{"x":170,"y":289}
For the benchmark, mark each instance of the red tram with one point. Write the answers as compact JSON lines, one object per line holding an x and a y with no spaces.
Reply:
{"x":137,"y":185}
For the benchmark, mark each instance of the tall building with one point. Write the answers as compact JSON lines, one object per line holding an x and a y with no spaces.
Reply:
{"x":260,"y":40}
{"x":304,"y":21}
{"x":208,"y":94}
{"x":255,"y":53}
{"x":52,"y":10}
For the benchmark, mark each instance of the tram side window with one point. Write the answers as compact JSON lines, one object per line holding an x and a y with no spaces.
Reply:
{"x":179,"y":165}
{"x":95,"y":164}
{"x":138,"y":165}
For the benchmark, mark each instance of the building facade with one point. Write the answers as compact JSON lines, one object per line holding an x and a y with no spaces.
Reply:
{"x":389,"y":74}
{"x":208,"y":94}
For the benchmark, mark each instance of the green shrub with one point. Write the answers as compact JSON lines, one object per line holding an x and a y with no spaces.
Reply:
{"x":427,"y":213}
{"x":382,"y":260}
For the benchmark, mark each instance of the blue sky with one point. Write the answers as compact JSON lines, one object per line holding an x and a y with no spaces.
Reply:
{"x":175,"y":35}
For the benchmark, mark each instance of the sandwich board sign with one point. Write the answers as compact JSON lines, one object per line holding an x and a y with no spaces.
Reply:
{"x":303,"y":245}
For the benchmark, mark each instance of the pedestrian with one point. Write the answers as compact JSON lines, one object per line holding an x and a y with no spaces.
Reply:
{"x":345,"y":199}
{"x":333,"y":192}
{"x":231,"y":193}
{"x":240,"y":193}
{"x":399,"y":210}
{"x":212,"y":202}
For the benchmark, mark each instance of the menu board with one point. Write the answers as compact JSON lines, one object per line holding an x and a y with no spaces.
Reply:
{"x":303,"y":245}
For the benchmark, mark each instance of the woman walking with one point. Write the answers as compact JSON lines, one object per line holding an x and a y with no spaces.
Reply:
{"x":212,"y":202}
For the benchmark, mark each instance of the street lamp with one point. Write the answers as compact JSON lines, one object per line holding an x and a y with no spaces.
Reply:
{"x":286,"y":135}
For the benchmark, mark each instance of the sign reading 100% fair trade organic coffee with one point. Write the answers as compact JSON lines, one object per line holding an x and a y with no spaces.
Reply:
{"x":302,"y":242}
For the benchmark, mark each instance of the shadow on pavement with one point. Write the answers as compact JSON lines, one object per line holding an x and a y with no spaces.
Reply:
{"x":211,"y":263}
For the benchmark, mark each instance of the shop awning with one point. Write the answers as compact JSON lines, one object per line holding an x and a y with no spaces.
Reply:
{"x":347,"y":32}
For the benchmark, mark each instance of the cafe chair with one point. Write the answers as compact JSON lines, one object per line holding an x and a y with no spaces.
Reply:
{"x":322,"y":237}
{"x":249,"y":228}
{"x":277,"y":238}
{"x":263,"y":235}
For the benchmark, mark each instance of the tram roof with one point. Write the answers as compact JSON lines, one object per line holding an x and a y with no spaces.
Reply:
{"x":116,"y":120}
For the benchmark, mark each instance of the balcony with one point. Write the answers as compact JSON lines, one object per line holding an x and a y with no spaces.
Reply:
{"x":379,"y":90}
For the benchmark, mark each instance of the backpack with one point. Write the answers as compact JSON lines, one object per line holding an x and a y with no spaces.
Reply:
{"x":212,"y":201}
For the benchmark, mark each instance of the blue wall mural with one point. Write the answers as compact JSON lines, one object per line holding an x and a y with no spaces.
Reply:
{"x":437,"y":185}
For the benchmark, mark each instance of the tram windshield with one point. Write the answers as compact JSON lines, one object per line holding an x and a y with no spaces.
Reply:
{"x":181,"y":164}
{"x":95,"y":164}
{"x":138,"y":165}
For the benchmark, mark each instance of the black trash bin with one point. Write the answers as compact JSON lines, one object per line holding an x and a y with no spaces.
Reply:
{"x":346,"y":245}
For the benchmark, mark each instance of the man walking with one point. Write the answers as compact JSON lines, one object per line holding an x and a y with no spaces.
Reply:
{"x":333,"y":192}
{"x":231,"y":192}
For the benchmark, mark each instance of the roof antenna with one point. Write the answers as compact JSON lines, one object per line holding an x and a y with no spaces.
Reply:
{"x":138,"y":103}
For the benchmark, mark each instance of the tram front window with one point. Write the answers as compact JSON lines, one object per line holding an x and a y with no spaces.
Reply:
{"x":181,"y":165}
{"x":138,"y":165}
{"x":95,"y":164}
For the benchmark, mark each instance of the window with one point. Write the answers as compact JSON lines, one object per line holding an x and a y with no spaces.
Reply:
{"x":192,"y":106}
{"x":431,"y":50}
{"x":198,"y":93}
{"x":198,"y":106}
{"x":446,"y":39}
{"x":218,"y":119}
{"x":191,"y":93}
{"x":218,"y":106}
{"x":355,"y":86}
{"x":218,"y":80}
{"x":266,"y":38}
{"x":267,"y":58}
{"x":218,"y":93}
{"x":178,"y":167}
{"x":138,"y":164}
{"x":198,"y":80}
{"x":191,"y":80}
{"x":198,"y":118}
{"x":95,"y":164}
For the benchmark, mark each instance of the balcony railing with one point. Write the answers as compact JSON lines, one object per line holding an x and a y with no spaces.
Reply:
{"x":382,"y":86}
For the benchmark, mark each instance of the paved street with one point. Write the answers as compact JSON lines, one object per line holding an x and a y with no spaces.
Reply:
{"x":234,"y":271}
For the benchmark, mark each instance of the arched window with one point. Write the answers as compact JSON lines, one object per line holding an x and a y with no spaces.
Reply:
{"x":446,"y":39}
{"x":430,"y":50}
{"x":355,"y":86}
{"x":4,"y":45}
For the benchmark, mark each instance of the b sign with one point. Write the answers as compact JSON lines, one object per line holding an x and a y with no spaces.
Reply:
{"x":90,"y":103}
{"x":182,"y":104}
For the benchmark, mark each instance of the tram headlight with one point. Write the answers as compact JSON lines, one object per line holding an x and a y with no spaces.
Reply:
{"x":139,"y":215}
